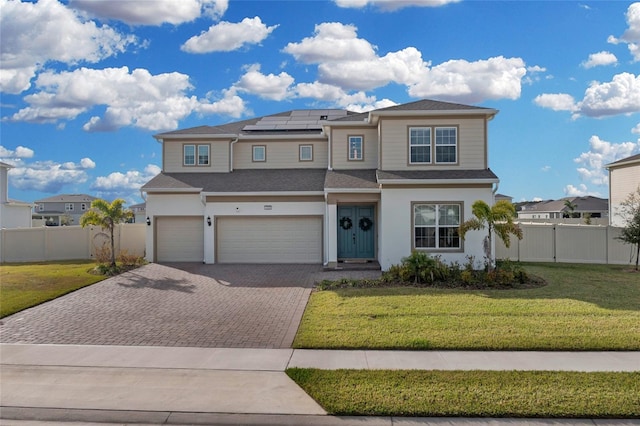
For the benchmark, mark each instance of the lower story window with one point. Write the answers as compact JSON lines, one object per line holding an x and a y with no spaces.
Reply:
{"x":435,"y":226}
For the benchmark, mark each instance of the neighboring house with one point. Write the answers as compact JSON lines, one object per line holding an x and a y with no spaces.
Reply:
{"x":584,"y":207}
{"x":323,"y":186}
{"x":624,"y":179}
{"x":139,"y":212}
{"x":502,"y":197}
{"x":13,"y":214}
{"x":65,"y":209}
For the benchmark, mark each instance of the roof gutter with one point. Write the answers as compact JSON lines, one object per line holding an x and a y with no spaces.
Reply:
{"x":263,"y":194}
{"x":375,"y":115}
{"x":436,"y":181}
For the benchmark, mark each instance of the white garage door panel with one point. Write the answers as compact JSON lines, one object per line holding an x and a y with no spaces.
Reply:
{"x":269,"y":240}
{"x":180,"y":239}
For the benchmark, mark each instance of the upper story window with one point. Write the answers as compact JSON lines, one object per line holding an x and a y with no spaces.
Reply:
{"x":306,"y":153}
{"x":41,"y":207}
{"x":446,"y":144}
{"x":356,"y":149}
{"x":435,"y":226}
{"x":190,"y":157}
{"x":259,"y":153}
{"x":83,"y":206}
{"x":68,"y":207}
{"x":419,"y":145}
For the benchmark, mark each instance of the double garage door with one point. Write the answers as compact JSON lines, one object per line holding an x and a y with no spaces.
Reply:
{"x":293,"y":239}
{"x":269,"y":240}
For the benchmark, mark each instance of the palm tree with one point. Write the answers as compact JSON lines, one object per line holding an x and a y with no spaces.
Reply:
{"x":107,"y":216}
{"x":498,"y":219}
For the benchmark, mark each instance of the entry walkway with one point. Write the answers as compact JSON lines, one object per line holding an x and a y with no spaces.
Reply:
{"x":158,"y":385}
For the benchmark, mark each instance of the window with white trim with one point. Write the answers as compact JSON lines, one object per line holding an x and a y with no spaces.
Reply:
{"x":68,"y":207}
{"x":306,"y":153}
{"x":196,"y":155}
{"x":435,"y":226}
{"x":419,"y":145}
{"x":41,"y":207}
{"x":446,"y":144}
{"x":259,"y":153}
{"x":83,"y":206}
{"x":356,"y":151}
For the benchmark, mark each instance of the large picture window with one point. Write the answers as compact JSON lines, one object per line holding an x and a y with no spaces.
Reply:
{"x":356,"y":151}
{"x":196,"y":155}
{"x":435,"y":226}
{"x":446,"y":144}
{"x":420,"y":145}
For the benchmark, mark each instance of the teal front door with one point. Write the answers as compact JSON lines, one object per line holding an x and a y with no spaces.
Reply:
{"x":356,"y":232}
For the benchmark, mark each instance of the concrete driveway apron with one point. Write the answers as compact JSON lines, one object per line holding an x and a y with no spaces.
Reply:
{"x":188,"y":304}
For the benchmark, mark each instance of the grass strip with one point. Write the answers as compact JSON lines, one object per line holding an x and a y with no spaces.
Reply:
{"x":25,"y":285}
{"x":583,"y":307}
{"x":472,"y":393}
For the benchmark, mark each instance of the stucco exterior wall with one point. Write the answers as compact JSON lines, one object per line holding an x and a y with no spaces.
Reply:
{"x":279,"y":155}
{"x":395,"y":222}
{"x":394,"y":134}
{"x":340,"y":148}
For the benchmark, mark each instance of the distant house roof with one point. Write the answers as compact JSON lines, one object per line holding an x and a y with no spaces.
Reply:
{"x":583,"y":204}
{"x":67,"y":198}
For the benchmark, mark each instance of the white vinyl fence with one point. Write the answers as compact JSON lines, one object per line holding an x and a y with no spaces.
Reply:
{"x":67,"y":242}
{"x":545,"y":242}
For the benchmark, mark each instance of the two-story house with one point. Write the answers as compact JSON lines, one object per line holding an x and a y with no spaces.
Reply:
{"x":624,"y":180}
{"x":323,"y":186}
{"x":64,"y":209}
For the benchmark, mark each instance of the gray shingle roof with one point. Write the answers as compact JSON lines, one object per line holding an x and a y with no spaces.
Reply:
{"x":360,"y":179}
{"x":431,"y":105}
{"x":624,"y":160}
{"x":588,"y":203}
{"x":67,"y":198}
{"x":265,"y":180}
{"x":436,"y":174}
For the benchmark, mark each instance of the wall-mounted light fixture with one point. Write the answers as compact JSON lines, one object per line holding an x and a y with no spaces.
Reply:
{"x":209,"y":220}
{"x":148,"y":221}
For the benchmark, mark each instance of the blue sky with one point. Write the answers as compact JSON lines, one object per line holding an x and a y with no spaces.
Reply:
{"x":87,"y":83}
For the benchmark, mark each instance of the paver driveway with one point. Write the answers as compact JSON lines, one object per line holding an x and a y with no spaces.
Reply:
{"x":253,"y":306}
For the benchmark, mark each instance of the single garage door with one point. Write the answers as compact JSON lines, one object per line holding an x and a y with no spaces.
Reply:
{"x":180,"y":239}
{"x":269,"y":239}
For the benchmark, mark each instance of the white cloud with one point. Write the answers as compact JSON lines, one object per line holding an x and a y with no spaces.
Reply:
{"x":271,"y":86}
{"x":580,"y":191}
{"x":600,"y":59}
{"x":391,"y":5}
{"x":35,"y":33}
{"x":632,"y":35}
{"x":600,"y":154}
{"x":118,"y":183}
{"x":331,"y":42}
{"x":136,"y":98}
{"x":227,"y":36}
{"x":141,"y":12}
{"x":556,"y":101}
{"x":50,"y":176}
{"x":535,"y":199}
{"x":636,"y":129}
{"x":352,"y":63}
{"x":619,"y":96}
{"x":546,"y":168}
{"x":19,"y":153}
{"x":460,"y":80}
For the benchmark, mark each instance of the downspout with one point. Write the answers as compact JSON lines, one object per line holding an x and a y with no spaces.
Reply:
{"x":231,"y":153}
{"x":329,"y":163}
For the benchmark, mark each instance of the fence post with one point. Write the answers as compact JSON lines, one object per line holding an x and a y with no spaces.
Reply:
{"x":555,"y":244}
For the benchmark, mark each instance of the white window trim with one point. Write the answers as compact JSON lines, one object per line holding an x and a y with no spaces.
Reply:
{"x":208,"y":155}
{"x":351,"y":157}
{"x":437,"y":226}
{"x":184,"y":155}
{"x":41,"y":207}
{"x":254,"y":148}
{"x":435,"y":158}
{"x":83,"y":206}
{"x":430,"y":145}
{"x":310,"y":152}
{"x":196,"y":155}
{"x":68,"y":207}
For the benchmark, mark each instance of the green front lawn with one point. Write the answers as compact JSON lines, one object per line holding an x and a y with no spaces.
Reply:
{"x":23,"y":285}
{"x":583,"y":307}
{"x":472,"y":393}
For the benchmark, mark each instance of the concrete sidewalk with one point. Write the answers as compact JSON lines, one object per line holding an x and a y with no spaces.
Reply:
{"x":158,"y":385}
